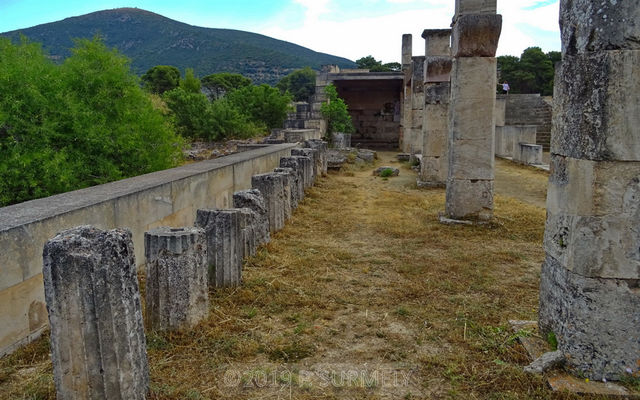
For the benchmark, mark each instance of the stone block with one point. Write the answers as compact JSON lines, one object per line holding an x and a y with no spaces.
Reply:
{"x":437,"y":69}
{"x":470,"y":119}
{"x":224,"y":245}
{"x":289,"y":191}
{"x":253,"y":200}
{"x":98,"y":347}
{"x":312,"y":172}
{"x":592,"y":215}
{"x":471,"y":159}
{"x":474,"y":78}
{"x":469,"y":199}
{"x":436,"y":143}
{"x":437,"y":42}
{"x":177,"y":277}
{"x":417,"y":101}
{"x":597,"y":106}
{"x":433,"y":171}
{"x":595,"y":320}
{"x":271,"y":186}
{"x":249,"y":229}
{"x":529,"y":154}
{"x":341,"y":140}
{"x":296,"y":165}
{"x":437,"y":93}
{"x":591,"y":26}
{"x":466,"y":7}
{"x":321,"y":146}
{"x":476,"y":35}
{"x":508,"y":139}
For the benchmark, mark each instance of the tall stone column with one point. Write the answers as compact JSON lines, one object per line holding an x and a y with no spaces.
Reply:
{"x":177,"y":294}
{"x":435,"y":125}
{"x":406,"y":100}
{"x":98,"y":347}
{"x":589,"y":289}
{"x":475,"y":34}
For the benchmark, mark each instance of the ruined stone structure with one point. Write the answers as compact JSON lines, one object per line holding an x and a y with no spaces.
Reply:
{"x":475,"y":35}
{"x":373,"y":100}
{"x":253,"y":200}
{"x":589,"y":292}
{"x":225,"y":249}
{"x":98,"y":347}
{"x":435,"y":125}
{"x":176,"y":290}
{"x":527,"y":109}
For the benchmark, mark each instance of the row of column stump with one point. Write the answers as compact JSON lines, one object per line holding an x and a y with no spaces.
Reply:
{"x":92,"y":293}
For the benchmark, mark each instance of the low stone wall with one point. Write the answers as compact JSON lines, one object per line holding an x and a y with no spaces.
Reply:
{"x":164,"y":198}
{"x":529,"y":109}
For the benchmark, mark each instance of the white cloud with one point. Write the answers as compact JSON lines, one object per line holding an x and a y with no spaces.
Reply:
{"x":324,"y":29}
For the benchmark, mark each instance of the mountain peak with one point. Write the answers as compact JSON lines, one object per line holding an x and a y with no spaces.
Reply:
{"x":151,"y":39}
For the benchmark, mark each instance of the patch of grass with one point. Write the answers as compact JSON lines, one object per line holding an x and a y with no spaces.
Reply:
{"x":552,"y":340}
{"x":386,"y":173}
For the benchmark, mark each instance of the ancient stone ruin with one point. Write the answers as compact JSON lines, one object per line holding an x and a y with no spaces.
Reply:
{"x":475,"y":34}
{"x":98,"y":347}
{"x":589,"y":293}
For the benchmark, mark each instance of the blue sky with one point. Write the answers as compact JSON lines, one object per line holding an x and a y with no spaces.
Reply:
{"x":348,"y":28}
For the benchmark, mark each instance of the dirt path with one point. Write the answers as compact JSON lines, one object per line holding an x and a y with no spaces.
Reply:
{"x":363,"y":295}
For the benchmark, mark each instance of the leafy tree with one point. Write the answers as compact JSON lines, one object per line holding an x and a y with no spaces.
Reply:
{"x":217,"y":85}
{"x":300,"y":83}
{"x":82,"y":123}
{"x":191,"y":113}
{"x":161,"y":78}
{"x":190,"y":83}
{"x":374,"y":65}
{"x":531,"y":73}
{"x":263,"y":104}
{"x":336,"y":112}
{"x":229,"y":121}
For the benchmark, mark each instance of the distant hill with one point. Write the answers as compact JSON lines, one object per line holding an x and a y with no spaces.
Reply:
{"x":150,"y":39}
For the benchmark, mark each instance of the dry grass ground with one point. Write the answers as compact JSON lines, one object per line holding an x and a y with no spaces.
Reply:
{"x":363,"y":295}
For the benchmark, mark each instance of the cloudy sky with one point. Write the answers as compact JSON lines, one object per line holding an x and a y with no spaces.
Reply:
{"x":347,"y":28}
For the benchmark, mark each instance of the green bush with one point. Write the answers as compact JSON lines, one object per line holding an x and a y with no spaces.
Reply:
{"x":264,"y":105}
{"x":336,"y":113}
{"x":79,"y":124}
{"x":161,"y":78}
{"x":224,"y":82}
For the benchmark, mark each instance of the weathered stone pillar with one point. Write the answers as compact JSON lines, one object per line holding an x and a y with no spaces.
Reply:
{"x":294,"y":185}
{"x":177,"y":294}
{"x":315,"y":157}
{"x":406,"y":98}
{"x":271,"y":186}
{"x":309,"y":170}
{"x":98,"y":347}
{"x":287,"y":186}
{"x":589,"y":289}
{"x":413,"y":137}
{"x":224,"y":245}
{"x":249,"y":226}
{"x":297,"y":165}
{"x":252,"y":199}
{"x":321,"y":146}
{"x":407,"y":50}
{"x":471,"y":113}
{"x":437,"y":90}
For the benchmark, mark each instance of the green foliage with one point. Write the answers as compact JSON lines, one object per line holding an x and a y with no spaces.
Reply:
{"x":533,"y":72}
{"x":336,"y":113}
{"x":263,"y":104}
{"x":191,"y":113}
{"x":190,"y":83}
{"x":552,"y":340}
{"x":161,"y":78}
{"x":82,"y":123}
{"x":224,"y":82}
{"x":386,"y":173}
{"x":300,"y":83}
{"x":374,"y":65}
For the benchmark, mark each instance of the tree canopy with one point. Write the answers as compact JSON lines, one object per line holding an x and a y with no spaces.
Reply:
{"x":69,"y":126}
{"x":217,"y":85}
{"x":374,"y":65}
{"x":161,"y":78}
{"x":300,"y":83}
{"x":532,"y":72}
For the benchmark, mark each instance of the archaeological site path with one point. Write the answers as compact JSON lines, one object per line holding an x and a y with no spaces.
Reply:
{"x":363,"y":295}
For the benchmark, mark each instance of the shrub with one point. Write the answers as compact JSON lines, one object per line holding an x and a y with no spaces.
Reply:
{"x":301,"y":84}
{"x":336,"y":113}
{"x":264,"y":105}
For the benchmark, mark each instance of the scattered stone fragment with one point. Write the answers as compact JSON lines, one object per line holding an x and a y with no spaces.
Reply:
{"x":545,"y":362}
